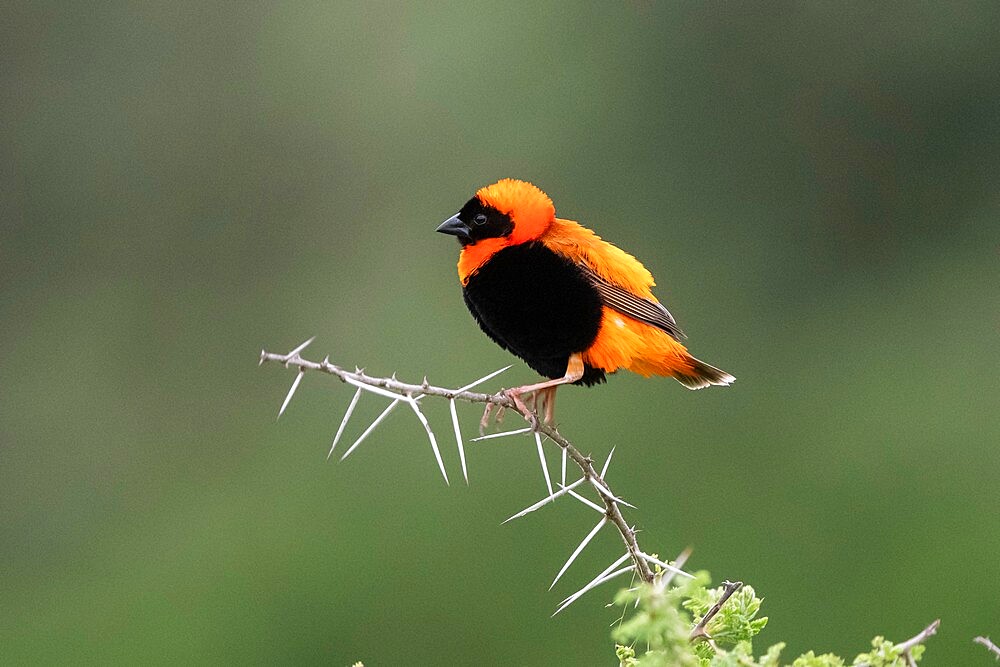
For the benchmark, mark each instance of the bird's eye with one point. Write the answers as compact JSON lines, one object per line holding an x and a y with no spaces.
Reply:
{"x":480,"y":219}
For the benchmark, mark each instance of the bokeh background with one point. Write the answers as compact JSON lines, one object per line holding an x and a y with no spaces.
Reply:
{"x":813,"y":184}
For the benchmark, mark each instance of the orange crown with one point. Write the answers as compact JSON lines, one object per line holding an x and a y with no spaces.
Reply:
{"x":529,"y":208}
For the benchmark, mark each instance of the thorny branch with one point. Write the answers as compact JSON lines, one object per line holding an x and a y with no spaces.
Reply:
{"x":641,"y":562}
{"x":411,"y":394}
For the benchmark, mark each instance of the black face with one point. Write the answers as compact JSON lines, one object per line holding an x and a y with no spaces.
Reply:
{"x":477,"y":221}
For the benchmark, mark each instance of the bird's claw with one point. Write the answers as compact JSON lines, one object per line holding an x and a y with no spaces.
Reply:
{"x":522,"y":407}
{"x":496,"y":411}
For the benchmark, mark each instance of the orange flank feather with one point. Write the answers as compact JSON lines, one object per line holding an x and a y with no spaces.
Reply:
{"x":623,"y":342}
{"x":551,"y":291}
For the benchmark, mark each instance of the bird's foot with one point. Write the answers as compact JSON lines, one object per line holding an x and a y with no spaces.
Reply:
{"x":497,"y":412}
{"x":522,"y":407}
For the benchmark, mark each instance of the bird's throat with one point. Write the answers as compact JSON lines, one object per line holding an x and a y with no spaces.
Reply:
{"x":476,"y":254}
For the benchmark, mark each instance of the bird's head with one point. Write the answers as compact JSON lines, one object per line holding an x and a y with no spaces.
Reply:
{"x":510,"y":211}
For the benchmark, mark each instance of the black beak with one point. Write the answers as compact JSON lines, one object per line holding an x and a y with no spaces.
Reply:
{"x":456,"y":227}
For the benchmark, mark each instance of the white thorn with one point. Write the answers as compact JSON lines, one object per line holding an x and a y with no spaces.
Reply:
{"x":343,"y":423}
{"x":563,"y":482}
{"x":301,"y":347}
{"x":291,"y":391}
{"x":589,"y":503}
{"x":502,"y":434}
{"x":458,"y":439}
{"x":545,"y":500}
{"x":545,"y":465}
{"x":483,"y":379}
{"x":603,"y":489}
{"x":664,"y":581}
{"x":597,"y":581}
{"x":581,"y":547}
{"x":430,"y":436}
{"x":666,"y":566}
{"x":371,"y":427}
{"x":373,"y":389}
{"x":607,"y":463}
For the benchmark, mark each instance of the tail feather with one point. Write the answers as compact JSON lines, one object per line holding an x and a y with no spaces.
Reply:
{"x":701,"y":375}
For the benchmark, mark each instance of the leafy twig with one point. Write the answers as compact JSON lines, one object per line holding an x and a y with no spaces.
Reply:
{"x":728,"y":588}
{"x":905,"y":648}
{"x":919,"y":638}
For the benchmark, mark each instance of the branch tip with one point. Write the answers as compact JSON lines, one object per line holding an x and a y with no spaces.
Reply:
{"x":918,"y":638}
{"x":990,"y":646}
{"x":729,"y":587}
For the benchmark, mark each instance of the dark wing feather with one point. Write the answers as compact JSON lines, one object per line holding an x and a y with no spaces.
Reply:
{"x":626,"y":303}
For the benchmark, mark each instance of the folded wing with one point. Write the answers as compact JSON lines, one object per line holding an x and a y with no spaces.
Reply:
{"x":619,"y":299}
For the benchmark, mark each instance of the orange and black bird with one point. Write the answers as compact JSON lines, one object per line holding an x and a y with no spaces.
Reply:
{"x":571,"y":305}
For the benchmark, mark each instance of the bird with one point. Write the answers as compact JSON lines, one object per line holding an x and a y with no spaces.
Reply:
{"x":573,"y":306}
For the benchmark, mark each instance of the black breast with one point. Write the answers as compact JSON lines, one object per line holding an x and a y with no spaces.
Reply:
{"x":538,"y":305}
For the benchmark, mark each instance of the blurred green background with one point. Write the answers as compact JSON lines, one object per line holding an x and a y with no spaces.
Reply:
{"x":813,"y":184}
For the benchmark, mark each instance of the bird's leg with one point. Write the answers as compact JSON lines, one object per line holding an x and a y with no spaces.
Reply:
{"x":574,"y":371}
{"x":531,"y":400}
{"x":547,"y":399}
